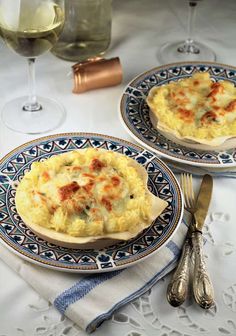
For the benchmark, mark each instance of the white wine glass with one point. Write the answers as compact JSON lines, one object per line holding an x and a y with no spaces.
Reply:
{"x":189,"y":49}
{"x":30,"y":28}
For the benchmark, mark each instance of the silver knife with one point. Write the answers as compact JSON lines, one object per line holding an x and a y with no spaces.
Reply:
{"x":202,"y":286}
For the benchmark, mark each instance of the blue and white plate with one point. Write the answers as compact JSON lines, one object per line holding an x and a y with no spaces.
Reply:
{"x":134,"y":113}
{"x":21,"y":240}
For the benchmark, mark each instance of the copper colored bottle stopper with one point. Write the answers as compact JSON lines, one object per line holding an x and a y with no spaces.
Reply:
{"x":96,"y":73}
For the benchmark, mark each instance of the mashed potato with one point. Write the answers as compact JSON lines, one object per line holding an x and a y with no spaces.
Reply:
{"x":85,"y":193}
{"x":195,"y":108}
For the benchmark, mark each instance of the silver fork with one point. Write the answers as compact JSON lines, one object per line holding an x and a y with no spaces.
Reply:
{"x":178,"y":287}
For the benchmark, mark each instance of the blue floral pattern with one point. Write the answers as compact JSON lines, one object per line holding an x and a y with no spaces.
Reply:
{"x":135,"y":113}
{"x":19,"y":238}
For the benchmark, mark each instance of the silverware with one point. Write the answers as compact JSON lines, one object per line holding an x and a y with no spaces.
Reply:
{"x":177,"y":289}
{"x":202,"y":286}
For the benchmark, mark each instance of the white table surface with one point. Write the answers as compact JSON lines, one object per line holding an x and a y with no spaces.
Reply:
{"x":139,"y":29}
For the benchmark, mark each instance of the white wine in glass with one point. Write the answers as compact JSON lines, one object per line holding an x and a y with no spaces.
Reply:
{"x":30,"y":28}
{"x":189,"y":49}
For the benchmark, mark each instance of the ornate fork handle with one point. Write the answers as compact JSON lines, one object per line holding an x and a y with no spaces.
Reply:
{"x":202,"y":287}
{"x":178,"y":287}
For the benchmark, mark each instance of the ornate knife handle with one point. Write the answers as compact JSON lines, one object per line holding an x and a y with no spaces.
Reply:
{"x":178,"y":287}
{"x":202,"y":287}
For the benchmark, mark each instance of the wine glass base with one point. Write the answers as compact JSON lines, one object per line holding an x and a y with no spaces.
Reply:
{"x":169,"y":53}
{"x":44,"y":120}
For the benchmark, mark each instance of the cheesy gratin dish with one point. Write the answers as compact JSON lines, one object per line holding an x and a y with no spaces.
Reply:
{"x":87,"y":193}
{"x":195,"y":109}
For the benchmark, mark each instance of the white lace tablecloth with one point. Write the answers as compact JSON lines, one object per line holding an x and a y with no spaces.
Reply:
{"x":139,"y":28}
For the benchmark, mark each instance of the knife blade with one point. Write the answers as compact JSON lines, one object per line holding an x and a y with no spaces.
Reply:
{"x":202,"y":286}
{"x":202,"y":203}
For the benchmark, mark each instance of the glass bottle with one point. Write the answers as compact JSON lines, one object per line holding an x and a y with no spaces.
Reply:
{"x":87,"y":30}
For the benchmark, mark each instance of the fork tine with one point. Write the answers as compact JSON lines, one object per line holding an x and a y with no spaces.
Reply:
{"x":183,"y":187}
{"x":188,"y":200}
{"x":182,"y":183}
{"x":187,"y":188}
{"x":190,"y":190}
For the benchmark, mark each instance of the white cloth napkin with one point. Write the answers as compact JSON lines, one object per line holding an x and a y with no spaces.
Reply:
{"x":88,"y":300}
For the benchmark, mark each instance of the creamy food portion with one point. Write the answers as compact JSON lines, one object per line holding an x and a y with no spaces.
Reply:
{"x":84,"y":193}
{"x":195,"y":108}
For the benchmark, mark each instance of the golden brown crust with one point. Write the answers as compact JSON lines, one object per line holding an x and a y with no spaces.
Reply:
{"x":195,"y":112}
{"x":92,"y":241}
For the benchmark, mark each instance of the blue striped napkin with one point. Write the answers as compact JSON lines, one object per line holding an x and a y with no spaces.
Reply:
{"x":88,"y":300}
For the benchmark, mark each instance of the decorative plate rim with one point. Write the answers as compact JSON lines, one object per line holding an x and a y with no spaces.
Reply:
{"x":35,"y":259}
{"x":145,"y":143}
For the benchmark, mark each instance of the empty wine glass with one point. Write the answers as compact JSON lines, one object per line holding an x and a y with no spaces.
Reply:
{"x":188,"y":50}
{"x":30,"y":28}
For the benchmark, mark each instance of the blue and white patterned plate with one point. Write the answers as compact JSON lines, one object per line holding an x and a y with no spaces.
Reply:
{"x":25,"y":243}
{"x":135,"y":113}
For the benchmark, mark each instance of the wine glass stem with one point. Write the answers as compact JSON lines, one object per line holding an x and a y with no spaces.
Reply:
{"x":191,"y":17}
{"x":32,"y":105}
{"x":188,"y":47}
